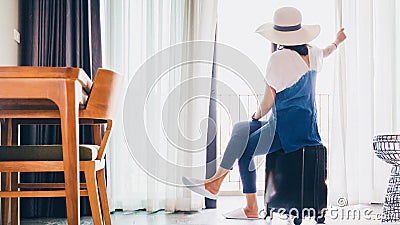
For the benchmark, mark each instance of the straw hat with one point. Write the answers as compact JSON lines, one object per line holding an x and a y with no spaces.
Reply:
{"x":287,"y":28}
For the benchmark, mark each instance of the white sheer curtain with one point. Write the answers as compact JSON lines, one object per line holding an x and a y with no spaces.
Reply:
{"x":134,"y":31}
{"x":366,"y":85}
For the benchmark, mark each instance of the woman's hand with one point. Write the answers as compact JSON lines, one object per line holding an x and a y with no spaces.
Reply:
{"x":340,"y":37}
{"x":253,"y":117}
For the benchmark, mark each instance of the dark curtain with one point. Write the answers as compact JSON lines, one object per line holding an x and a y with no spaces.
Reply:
{"x":57,"y":33}
{"x":212,"y":129}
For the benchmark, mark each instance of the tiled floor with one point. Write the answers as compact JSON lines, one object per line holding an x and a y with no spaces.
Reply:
{"x":344,"y":216}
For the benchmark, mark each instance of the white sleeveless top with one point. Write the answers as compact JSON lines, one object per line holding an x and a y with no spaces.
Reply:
{"x":286,"y":67}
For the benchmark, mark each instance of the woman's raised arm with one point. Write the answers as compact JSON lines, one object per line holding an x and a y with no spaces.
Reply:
{"x":340,"y":37}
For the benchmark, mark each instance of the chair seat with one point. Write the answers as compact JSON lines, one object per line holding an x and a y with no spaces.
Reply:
{"x":44,"y":153}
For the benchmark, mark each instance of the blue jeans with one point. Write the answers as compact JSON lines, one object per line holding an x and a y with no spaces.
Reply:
{"x":248,"y":139}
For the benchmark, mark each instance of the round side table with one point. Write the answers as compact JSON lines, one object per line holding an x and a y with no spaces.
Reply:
{"x":387,"y":148}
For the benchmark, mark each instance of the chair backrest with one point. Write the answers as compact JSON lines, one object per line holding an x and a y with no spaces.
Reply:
{"x":103,"y":103}
{"x":105,"y":96}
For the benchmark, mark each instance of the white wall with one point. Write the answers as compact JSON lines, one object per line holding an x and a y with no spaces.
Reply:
{"x":8,"y":22}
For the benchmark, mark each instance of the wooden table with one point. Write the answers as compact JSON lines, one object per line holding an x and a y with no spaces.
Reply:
{"x":48,"y":92}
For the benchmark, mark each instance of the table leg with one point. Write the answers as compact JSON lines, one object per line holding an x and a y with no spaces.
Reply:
{"x":5,"y":177}
{"x":5,"y":202}
{"x":12,"y":139}
{"x":69,"y":109}
{"x":15,"y":208}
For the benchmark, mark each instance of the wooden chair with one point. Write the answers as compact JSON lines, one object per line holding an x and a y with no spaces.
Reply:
{"x":101,"y":108}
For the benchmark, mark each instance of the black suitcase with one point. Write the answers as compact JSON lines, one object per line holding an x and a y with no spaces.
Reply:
{"x":296,"y":181}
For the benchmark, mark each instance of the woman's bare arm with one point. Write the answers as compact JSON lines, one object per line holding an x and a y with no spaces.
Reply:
{"x":266,"y":103}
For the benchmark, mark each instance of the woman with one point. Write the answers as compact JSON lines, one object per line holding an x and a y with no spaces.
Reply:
{"x":290,"y":91}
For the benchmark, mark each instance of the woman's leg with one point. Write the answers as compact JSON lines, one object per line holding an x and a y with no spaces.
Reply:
{"x":242,"y":146}
{"x":234,"y":150}
{"x":251,"y":209}
{"x":258,"y":144}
